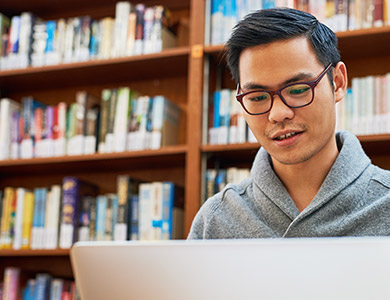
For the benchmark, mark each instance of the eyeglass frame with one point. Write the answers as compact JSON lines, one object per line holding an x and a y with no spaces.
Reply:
{"x":312,"y":84}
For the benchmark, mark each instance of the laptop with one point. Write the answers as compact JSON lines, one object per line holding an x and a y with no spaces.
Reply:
{"x":304,"y":268}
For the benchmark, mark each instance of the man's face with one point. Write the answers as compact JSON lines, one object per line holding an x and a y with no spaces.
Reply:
{"x":310,"y":129}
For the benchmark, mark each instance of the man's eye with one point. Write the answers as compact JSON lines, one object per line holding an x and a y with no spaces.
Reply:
{"x":258,"y":98}
{"x":298,"y":91}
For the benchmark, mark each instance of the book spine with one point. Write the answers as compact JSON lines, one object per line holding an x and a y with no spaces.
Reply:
{"x":11,"y":283}
{"x":27,"y":219}
{"x":17,"y":241}
{"x":134,"y":218}
{"x":101,"y":208}
{"x":120,"y":231}
{"x":69,"y":211}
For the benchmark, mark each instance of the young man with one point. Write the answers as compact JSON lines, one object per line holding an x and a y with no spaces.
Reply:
{"x":306,"y":181}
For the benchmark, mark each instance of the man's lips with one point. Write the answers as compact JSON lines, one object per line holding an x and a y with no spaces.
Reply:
{"x":282,"y":135}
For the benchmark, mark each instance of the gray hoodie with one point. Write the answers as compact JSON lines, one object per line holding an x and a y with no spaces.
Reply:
{"x":354,"y":200}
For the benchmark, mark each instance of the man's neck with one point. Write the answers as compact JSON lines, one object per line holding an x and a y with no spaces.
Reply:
{"x":303,"y":180}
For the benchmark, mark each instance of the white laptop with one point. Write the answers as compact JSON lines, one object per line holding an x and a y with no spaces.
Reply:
{"x":327,"y":268}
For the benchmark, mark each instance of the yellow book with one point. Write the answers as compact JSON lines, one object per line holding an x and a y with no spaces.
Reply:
{"x":9,"y":194}
{"x":28,"y":213}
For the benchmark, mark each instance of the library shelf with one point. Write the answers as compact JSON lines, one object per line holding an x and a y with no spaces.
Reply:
{"x":170,"y":156}
{"x":31,"y":252}
{"x":168,"y":63}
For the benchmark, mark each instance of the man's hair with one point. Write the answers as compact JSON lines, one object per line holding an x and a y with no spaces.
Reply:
{"x":270,"y":25}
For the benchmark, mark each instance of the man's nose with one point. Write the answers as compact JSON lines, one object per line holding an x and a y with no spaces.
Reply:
{"x":280,"y":111}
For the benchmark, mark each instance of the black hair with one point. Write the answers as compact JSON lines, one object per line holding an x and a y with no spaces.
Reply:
{"x":269,"y":25}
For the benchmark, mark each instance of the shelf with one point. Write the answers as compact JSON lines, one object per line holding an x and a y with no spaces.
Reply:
{"x":168,"y":63}
{"x":378,"y":144}
{"x":69,"y":8}
{"x":352,"y":44}
{"x":171,"y":156}
{"x":29,"y":252}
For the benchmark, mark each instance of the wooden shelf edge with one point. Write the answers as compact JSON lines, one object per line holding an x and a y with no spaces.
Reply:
{"x":167,"y":53}
{"x":374,"y":138}
{"x":229,"y":147}
{"x":215,"y":49}
{"x":254,"y":146}
{"x":30,"y":252}
{"x":164,"y":151}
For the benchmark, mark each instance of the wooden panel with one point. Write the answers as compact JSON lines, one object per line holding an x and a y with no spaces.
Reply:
{"x":194,"y":130}
{"x":69,"y":8}
{"x":168,"y":63}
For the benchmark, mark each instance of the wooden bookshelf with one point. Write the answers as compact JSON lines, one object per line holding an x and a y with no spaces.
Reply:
{"x":178,"y":74}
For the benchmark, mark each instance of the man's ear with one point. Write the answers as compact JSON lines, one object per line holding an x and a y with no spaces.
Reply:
{"x":340,"y":81}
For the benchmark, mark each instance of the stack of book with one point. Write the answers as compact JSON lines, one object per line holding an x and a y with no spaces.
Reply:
{"x":131,"y":122}
{"x":120,"y":121}
{"x":340,"y":15}
{"x":366,"y":107}
{"x":217,"y":179}
{"x":42,"y":286}
{"x":226,"y":122}
{"x":136,"y":29}
{"x":48,"y":218}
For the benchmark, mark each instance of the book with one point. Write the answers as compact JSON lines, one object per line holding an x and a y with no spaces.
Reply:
{"x":38,"y":227}
{"x":28,"y":213}
{"x":6,"y":218}
{"x":85,"y":218}
{"x":73,"y":190}
{"x":145,"y":211}
{"x":42,"y":286}
{"x":122,"y":12}
{"x":101,"y":207}
{"x":52,"y":217}
{"x":122,"y":112}
{"x":17,"y":239}
{"x":104,"y":119}
{"x":134,"y":217}
{"x":39,"y":43}
{"x":148,"y":46}
{"x":139,"y":29}
{"x":59,"y":129}
{"x":110,"y":217}
{"x":56,"y":288}
{"x":127,"y":187}
{"x":92,"y":220}
{"x":165,"y":123}
{"x":11,"y":283}
{"x":7,"y":109}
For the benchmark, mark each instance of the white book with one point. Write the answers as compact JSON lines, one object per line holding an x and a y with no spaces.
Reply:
{"x":145,"y":211}
{"x":122,"y":12}
{"x":17,"y":241}
{"x":69,"y":41}
{"x":224,"y":115}
{"x":157,"y":210}
{"x":7,"y":108}
{"x":25,"y":36}
{"x":53,"y":202}
{"x":217,"y":23}
{"x":148,"y":30}
{"x":121,"y":119}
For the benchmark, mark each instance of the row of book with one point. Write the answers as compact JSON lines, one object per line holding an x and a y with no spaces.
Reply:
{"x":136,"y":29}
{"x":339,"y":15}
{"x":48,"y":218}
{"x":226,"y":122}
{"x":42,"y":287}
{"x":120,"y":121}
{"x":366,"y":107}
{"x":217,"y":178}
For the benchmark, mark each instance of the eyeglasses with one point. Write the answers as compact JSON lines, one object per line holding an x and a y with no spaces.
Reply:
{"x":294,"y":95}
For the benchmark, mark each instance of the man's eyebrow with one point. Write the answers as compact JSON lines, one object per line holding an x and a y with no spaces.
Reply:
{"x":296,"y":78}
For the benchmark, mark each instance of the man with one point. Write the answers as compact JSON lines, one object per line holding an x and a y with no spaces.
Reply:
{"x":306,"y":181}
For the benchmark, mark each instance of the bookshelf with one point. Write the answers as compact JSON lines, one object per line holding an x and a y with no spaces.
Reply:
{"x":171,"y":72}
{"x":184,"y":74}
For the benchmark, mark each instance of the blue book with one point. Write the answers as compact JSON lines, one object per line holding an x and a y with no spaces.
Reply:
{"x":269,"y":4}
{"x":217,"y":99}
{"x":50,"y":31}
{"x":29,"y":291}
{"x":134,"y":218}
{"x":42,"y":286}
{"x":101,"y":207}
{"x":167,"y":215}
